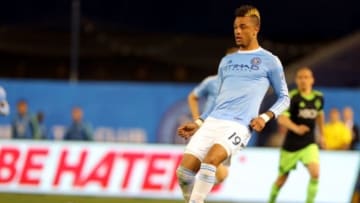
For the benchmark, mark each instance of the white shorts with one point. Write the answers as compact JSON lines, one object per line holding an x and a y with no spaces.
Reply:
{"x":231,"y":135}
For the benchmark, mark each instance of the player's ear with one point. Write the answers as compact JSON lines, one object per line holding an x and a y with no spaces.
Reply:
{"x":312,"y":80}
{"x":256,"y":31}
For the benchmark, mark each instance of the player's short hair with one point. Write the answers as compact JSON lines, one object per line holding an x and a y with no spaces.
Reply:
{"x":248,"y":11}
{"x":304,"y":68}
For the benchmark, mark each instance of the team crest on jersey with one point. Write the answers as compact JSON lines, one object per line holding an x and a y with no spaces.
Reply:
{"x":255,"y":61}
{"x":302,"y":104}
{"x":308,"y":113}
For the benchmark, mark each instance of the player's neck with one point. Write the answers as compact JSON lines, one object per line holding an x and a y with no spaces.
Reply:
{"x":252,"y":46}
{"x":305,"y":92}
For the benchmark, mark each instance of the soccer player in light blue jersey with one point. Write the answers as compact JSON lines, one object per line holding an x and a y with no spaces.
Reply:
{"x":4,"y":106}
{"x":244,"y":77}
{"x":208,"y":89}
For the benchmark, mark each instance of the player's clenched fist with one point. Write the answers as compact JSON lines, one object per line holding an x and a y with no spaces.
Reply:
{"x":187,"y":130}
{"x":257,"y":124}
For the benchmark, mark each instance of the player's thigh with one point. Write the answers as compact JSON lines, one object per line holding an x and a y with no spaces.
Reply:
{"x":232,"y":136}
{"x":288,"y":161}
{"x":201,"y":141}
{"x":190,"y":162}
{"x":310,"y":154}
{"x":217,"y":154}
{"x":310,"y":158}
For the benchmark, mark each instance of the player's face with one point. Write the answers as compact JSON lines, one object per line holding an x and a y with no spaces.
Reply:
{"x":245,"y":31}
{"x":304,"y":79}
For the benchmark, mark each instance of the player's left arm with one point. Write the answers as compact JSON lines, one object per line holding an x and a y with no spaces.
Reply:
{"x":277,"y":80}
{"x":278,"y":83}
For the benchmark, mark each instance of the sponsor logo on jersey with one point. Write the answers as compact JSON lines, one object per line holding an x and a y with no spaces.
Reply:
{"x":308,"y":113}
{"x":253,"y":66}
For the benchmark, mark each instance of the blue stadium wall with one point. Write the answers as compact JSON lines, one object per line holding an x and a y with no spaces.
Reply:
{"x":117,"y":109}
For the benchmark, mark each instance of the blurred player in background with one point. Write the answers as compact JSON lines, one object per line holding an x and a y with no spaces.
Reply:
{"x":305,"y":111}
{"x":208,"y":89}
{"x":244,"y":78}
{"x":4,"y":105}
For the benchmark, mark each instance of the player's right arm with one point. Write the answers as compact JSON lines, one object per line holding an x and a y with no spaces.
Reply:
{"x":193,"y":102}
{"x":188,"y":129}
{"x":201,"y":90}
{"x":284,"y":119}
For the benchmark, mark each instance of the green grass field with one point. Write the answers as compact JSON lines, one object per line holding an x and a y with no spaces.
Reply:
{"x":27,"y":198}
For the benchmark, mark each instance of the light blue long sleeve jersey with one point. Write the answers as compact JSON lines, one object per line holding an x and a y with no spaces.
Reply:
{"x":208,"y":89}
{"x":244,"y":78}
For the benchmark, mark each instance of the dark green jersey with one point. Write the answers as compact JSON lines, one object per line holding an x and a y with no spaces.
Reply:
{"x":303,"y":110}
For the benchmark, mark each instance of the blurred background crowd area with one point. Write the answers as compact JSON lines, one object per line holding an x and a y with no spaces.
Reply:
{"x":157,"y":41}
{"x":165,"y":42}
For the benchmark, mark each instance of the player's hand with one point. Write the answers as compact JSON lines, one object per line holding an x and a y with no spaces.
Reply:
{"x":302,"y":129}
{"x":321,"y":142}
{"x":257,"y":124}
{"x":187,"y":130}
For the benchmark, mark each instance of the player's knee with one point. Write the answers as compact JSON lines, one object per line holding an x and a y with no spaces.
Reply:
{"x":216,"y":155}
{"x":281,"y":180}
{"x":315,"y":175}
{"x":179,"y":172}
{"x":221,"y":174}
{"x":314,"y":171}
{"x":185,"y":176}
{"x":213,"y":160}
